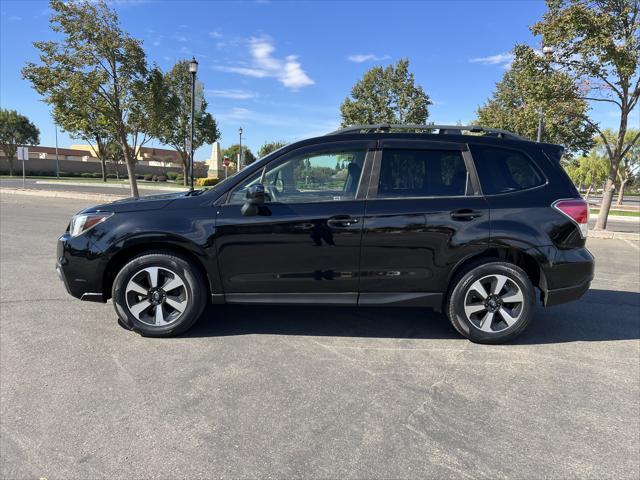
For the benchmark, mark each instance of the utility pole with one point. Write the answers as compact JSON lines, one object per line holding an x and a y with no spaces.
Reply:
{"x":57,"y":158}
{"x":193,"y":69}
{"x":548,"y":52}
{"x":240,"y":159}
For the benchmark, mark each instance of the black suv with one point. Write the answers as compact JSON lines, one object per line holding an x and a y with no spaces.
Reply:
{"x":472,"y":221}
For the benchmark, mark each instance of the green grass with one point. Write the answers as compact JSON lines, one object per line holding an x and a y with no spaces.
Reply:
{"x":621,"y":213}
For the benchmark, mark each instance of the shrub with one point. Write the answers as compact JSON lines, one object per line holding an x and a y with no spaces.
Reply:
{"x":96,"y":175}
{"x":86,"y":175}
{"x":139,"y":176}
{"x":172,"y":175}
{"x":148,"y":177}
{"x":206,"y":182}
{"x":162,"y":178}
{"x":111,"y":175}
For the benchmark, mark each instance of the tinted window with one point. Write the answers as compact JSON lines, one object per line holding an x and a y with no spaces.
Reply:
{"x":422,"y":173}
{"x":502,"y":170}
{"x":315,"y":177}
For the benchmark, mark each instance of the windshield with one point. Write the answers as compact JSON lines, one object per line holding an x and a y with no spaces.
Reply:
{"x":225,"y":182}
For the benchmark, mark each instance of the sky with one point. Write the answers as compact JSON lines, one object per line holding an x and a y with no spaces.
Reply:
{"x":281,"y":69}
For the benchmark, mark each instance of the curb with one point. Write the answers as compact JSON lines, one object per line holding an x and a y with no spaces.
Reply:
{"x":614,"y":235}
{"x":98,"y":197}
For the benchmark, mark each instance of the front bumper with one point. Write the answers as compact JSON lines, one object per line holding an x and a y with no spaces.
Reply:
{"x":80,"y":266}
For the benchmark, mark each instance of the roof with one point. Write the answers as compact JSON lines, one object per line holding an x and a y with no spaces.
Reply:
{"x":429,"y":129}
{"x":61,"y":151}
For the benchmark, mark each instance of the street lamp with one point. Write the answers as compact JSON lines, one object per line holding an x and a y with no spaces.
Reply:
{"x":240,"y":154}
{"x":57,"y":158}
{"x":193,"y":69}
{"x":547,"y":51}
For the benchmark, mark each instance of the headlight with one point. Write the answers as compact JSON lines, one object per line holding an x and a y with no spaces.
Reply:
{"x":82,"y":222}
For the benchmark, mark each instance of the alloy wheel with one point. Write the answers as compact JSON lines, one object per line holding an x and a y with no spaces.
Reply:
{"x":494,"y":303}
{"x":156,"y":296}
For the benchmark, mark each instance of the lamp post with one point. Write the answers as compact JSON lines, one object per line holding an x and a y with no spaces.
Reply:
{"x":240,"y":153}
{"x":57,"y":158}
{"x":193,"y":69}
{"x":548,"y":52}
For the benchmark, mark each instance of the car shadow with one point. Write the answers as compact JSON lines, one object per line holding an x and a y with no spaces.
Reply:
{"x":601,"y":315}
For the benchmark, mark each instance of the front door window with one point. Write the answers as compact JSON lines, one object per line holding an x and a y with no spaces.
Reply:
{"x":330,"y":176}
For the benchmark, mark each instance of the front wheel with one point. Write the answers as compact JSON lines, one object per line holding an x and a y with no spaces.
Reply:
{"x":491,"y":303}
{"x":159,"y":294}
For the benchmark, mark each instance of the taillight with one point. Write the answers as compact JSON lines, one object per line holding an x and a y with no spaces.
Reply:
{"x":577,"y":210}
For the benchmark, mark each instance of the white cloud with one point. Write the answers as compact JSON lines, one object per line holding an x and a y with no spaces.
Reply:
{"x":304,"y":127}
{"x":503,"y":59}
{"x":233,"y":93}
{"x":360,"y":58}
{"x":248,"y":72}
{"x":215,"y":34}
{"x":288,"y":71}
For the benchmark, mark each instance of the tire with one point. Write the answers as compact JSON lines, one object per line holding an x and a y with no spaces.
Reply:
{"x":483,"y":315}
{"x":164,"y":281}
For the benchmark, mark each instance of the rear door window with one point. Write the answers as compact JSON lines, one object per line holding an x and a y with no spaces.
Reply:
{"x":422,"y":173}
{"x":502,"y":170}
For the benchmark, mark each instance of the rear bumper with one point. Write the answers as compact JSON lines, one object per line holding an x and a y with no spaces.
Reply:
{"x":80,"y":267}
{"x":567,"y":275}
{"x":566,"y":294}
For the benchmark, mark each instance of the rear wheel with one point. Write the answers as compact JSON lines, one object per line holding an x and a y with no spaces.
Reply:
{"x":491,"y":303}
{"x":159,"y":294}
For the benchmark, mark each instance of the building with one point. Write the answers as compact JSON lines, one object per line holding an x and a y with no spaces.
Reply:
{"x":80,"y":159}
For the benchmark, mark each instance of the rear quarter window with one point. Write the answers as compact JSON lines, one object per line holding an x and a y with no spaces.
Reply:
{"x":503,"y":170}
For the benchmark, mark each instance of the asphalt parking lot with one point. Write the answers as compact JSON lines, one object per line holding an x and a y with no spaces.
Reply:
{"x":255,"y":392}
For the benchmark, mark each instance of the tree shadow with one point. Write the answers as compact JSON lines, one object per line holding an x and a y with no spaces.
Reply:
{"x":601,"y":315}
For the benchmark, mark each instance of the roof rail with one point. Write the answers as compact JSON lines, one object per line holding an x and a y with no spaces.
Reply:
{"x":442,"y":129}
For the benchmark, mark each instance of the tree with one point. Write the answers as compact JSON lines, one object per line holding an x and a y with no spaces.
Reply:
{"x":95,"y":66}
{"x":233,"y":151}
{"x":174,"y":125}
{"x":597,"y":43}
{"x":89,"y":124}
{"x":386,"y":95}
{"x":114,"y":155}
{"x":16,"y":130}
{"x":630,"y":163}
{"x":526,"y":88}
{"x":269,"y":147}
{"x":589,"y":171}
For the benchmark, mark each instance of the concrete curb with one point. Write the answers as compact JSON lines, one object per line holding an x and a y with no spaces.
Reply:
{"x":614,"y":235}
{"x":97,"y":197}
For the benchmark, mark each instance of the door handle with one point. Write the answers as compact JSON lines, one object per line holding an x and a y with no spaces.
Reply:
{"x":342,"y":221}
{"x":465,"y":214}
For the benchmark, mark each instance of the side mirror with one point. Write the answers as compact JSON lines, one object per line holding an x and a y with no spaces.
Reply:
{"x":255,"y":198}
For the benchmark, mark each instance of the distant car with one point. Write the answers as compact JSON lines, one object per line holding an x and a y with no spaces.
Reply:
{"x":468,"y":220}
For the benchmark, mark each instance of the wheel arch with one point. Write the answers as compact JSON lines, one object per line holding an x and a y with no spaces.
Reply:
{"x":516,"y":255}
{"x":136,"y":247}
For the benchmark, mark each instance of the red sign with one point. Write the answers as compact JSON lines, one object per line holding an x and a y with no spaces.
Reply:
{"x":226,"y":161}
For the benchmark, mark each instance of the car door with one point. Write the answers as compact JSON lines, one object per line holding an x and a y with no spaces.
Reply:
{"x":304,"y":244}
{"x":424,"y":214}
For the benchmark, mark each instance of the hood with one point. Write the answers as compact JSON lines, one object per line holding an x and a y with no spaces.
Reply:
{"x":146,"y":202}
